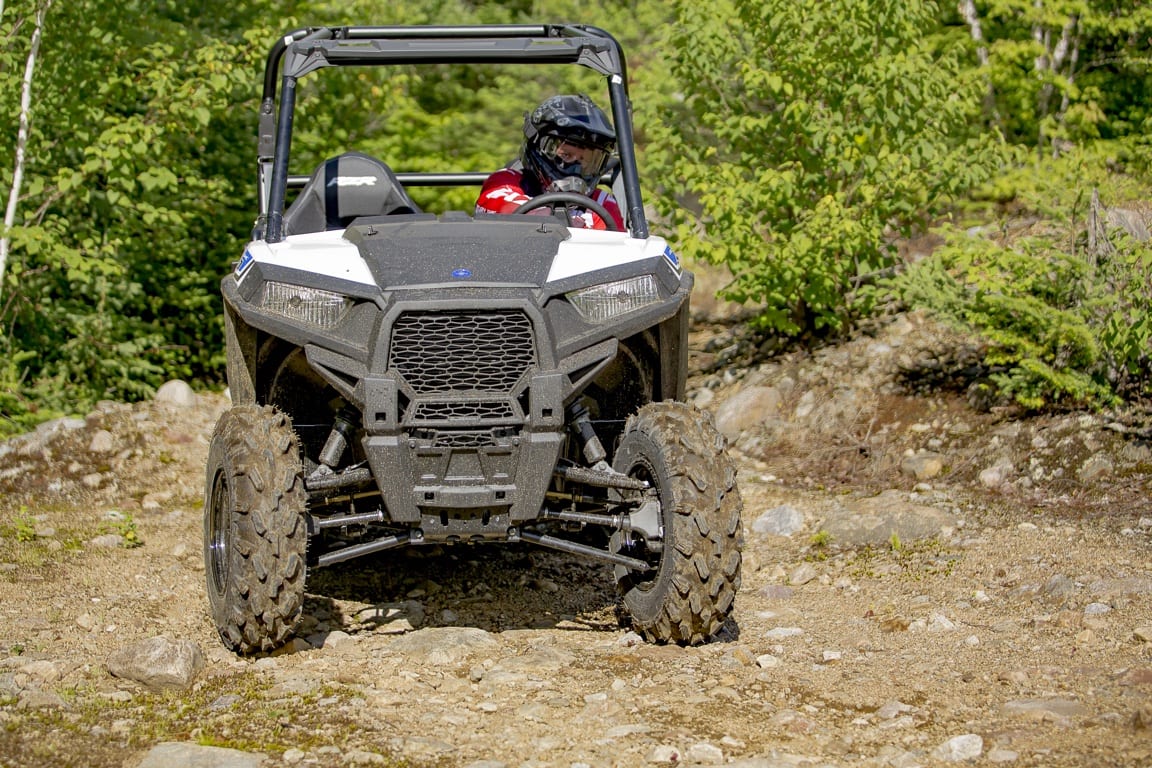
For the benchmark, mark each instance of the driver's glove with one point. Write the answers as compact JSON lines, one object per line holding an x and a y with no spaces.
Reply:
{"x":581,"y":219}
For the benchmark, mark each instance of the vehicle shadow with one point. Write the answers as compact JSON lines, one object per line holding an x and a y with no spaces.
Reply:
{"x":491,"y":587}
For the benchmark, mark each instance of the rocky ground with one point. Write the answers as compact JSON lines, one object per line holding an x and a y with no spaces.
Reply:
{"x":924,"y":582}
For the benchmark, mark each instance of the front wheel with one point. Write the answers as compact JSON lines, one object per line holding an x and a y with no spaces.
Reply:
{"x":688,"y":594}
{"x":254,"y":528}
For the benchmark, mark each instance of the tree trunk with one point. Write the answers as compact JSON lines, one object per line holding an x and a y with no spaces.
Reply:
{"x":968,"y":12}
{"x":21,"y":138}
{"x":1073,"y":60}
{"x":1054,"y":60}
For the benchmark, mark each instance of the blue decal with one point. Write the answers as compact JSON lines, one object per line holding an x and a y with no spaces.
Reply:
{"x":244,"y":263}
{"x":672,"y":258}
{"x":461,"y":273}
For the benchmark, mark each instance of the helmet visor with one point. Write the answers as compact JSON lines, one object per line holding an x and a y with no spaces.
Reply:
{"x":574,"y":158}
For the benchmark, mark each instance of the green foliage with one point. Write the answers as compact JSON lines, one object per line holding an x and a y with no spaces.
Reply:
{"x":1063,"y":71}
{"x":820,"y":540}
{"x":791,"y":141}
{"x":126,"y":528}
{"x":134,"y":196}
{"x":1023,"y":301}
{"x":819,"y":546}
{"x":445,"y":117}
{"x":25,"y":528}
{"x":809,"y":136}
{"x":1064,"y":325}
{"x":139,"y":182}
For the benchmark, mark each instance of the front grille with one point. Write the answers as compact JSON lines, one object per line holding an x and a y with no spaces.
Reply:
{"x":463,"y":409}
{"x":441,"y":352}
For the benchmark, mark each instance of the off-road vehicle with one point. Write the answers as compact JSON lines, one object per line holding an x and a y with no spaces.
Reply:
{"x":402,"y":377}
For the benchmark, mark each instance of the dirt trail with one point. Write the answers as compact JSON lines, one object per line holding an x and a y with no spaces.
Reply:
{"x":1020,"y":635}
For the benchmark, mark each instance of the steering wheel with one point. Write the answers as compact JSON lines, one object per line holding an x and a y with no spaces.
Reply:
{"x":555,"y":200}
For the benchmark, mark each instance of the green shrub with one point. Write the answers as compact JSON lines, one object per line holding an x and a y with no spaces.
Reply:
{"x":1064,"y":325}
{"x":809,"y":137}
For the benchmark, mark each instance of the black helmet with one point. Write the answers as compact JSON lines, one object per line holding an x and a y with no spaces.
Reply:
{"x":567,"y":120}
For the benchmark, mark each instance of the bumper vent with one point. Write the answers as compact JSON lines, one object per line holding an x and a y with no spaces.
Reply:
{"x":455,"y":410}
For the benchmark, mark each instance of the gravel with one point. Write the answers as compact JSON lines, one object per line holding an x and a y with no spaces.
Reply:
{"x":924,"y":583}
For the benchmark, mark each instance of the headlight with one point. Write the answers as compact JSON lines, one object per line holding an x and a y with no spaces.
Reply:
{"x":606,"y":301}
{"x":305,"y":305}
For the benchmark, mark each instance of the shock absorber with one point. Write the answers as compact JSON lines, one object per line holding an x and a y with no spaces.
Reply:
{"x":342,"y":428}
{"x":594,"y":452}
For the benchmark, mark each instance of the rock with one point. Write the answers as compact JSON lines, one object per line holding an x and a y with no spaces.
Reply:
{"x":893,"y":709}
{"x":940,"y":623}
{"x":102,"y":442}
{"x":777,"y":592}
{"x":663,"y":753}
{"x":34,"y":698}
{"x":158,"y":663}
{"x":1136,"y":676}
{"x":704,"y":753}
{"x":1002,"y":756}
{"x":922,"y":466}
{"x":421,"y":748}
{"x":1094,"y":468}
{"x":176,"y":393}
{"x":444,"y":645}
{"x":997,"y":474}
{"x":1134,"y":586}
{"x":1045,"y":709}
{"x":874,"y":521}
{"x":749,"y":407}
{"x":106,"y":541}
{"x":43,"y":670}
{"x":803,"y":574}
{"x":781,"y":632}
{"x":784,"y":520}
{"x":703,"y":398}
{"x":172,"y":754}
{"x":960,"y":749}
{"x":392,"y":618}
{"x":364,"y":757}
{"x":155,"y":501}
{"x":1058,"y":586}
{"x":329,"y":639}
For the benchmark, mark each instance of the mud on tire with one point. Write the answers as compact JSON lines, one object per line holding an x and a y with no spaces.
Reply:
{"x":254,"y":529}
{"x":689,"y":594}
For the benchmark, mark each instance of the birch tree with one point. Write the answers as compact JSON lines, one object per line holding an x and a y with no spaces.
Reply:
{"x":21,"y":136}
{"x":1063,"y":71}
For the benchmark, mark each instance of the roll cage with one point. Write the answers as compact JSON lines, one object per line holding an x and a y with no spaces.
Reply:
{"x":303,"y":51}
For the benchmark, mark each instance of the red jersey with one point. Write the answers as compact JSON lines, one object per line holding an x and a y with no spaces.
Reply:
{"x":503,"y":192}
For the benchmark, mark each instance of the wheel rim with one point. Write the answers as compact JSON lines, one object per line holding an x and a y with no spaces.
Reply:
{"x":636,"y":546}
{"x":218,"y":533}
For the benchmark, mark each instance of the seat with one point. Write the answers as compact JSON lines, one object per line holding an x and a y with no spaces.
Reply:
{"x":343,"y":188}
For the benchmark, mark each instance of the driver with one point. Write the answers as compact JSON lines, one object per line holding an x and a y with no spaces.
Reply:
{"x":567,"y":143}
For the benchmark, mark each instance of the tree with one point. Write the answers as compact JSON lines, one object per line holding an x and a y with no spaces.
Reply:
{"x":134,"y":200}
{"x":1063,"y":71}
{"x":21,"y":136}
{"x":808,"y":136}
{"x":139,"y":192}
